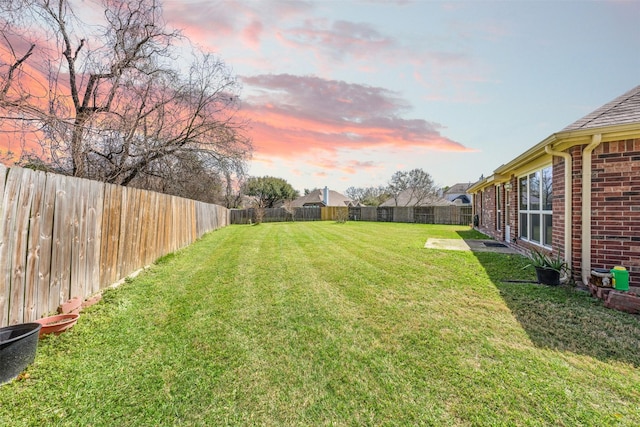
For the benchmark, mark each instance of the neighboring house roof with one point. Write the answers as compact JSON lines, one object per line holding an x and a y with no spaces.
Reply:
{"x":458,"y":193}
{"x":459,"y":188}
{"x":316,"y":198}
{"x":615,"y":121}
{"x":623,"y":109}
{"x":406,"y":198}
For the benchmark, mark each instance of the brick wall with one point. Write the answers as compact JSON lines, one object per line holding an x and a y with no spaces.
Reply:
{"x":485,"y":208}
{"x":615,"y":209}
{"x":557,"y":238}
{"x":615,"y":226}
{"x":576,"y":215}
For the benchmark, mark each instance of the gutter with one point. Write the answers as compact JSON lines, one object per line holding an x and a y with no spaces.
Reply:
{"x":568,"y":196}
{"x":586,"y":206}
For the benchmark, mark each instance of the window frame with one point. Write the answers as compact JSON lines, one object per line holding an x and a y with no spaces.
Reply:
{"x":535,"y":208}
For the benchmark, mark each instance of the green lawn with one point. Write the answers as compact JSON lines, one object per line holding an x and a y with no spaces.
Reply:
{"x":321,"y":323}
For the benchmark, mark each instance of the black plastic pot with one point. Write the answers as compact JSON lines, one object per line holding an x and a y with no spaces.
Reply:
{"x":18,"y":345}
{"x":547,"y":276}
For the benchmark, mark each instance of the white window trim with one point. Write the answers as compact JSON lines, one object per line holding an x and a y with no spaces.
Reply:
{"x":529,"y":212}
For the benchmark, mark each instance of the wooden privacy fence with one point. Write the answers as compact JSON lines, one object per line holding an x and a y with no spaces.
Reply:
{"x":63,"y":237}
{"x":249,"y":216}
{"x":455,"y":215}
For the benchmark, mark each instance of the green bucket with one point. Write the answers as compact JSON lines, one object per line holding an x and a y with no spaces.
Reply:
{"x":620,"y":278}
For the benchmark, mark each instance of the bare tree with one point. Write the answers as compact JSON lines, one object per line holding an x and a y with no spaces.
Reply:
{"x":118,"y":108}
{"x":235,"y":175}
{"x":411,"y":187}
{"x":369,"y":196}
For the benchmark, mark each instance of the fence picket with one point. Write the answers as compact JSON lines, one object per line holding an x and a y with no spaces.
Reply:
{"x":9,"y":210}
{"x":61,"y":242}
{"x":95,"y":206}
{"x":19,"y":236}
{"x":45,"y":244}
{"x":36,"y":225}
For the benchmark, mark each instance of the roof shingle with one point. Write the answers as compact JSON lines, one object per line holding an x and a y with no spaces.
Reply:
{"x":622,"y":110}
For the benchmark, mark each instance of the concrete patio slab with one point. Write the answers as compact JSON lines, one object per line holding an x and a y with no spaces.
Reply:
{"x":475,"y":245}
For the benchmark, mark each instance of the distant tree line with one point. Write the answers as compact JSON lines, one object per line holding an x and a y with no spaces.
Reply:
{"x":416,"y":185}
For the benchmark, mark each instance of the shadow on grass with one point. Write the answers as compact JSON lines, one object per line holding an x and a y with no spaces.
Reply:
{"x":562,"y":318}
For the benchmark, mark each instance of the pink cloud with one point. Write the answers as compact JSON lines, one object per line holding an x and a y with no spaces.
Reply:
{"x":293,"y":115}
{"x":251,"y":34}
{"x":212,"y":24}
{"x":337,"y":39}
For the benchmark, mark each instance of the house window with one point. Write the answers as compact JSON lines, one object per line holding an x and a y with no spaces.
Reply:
{"x":536,"y":208}
{"x":498,"y":209}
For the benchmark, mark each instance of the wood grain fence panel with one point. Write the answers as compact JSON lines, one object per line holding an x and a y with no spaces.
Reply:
{"x":141,"y":251}
{"x":19,"y":235}
{"x":200,"y":222}
{"x":161,"y":215}
{"x":173,"y":230}
{"x":163,"y":218}
{"x":111,"y":218}
{"x":36,"y":228}
{"x":157,"y":221}
{"x":161,"y":212}
{"x":194,"y":222}
{"x":61,"y":242}
{"x":117,"y":209}
{"x":147,"y":228}
{"x":180,"y":224}
{"x":105,"y":235}
{"x":160,"y":237}
{"x":168,"y":226}
{"x":46,"y":245}
{"x":210,"y":217}
{"x":79,"y":245}
{"x":151,"y":222}
{"x":172,"y":245}
{"x":122,"y":232}
{"x":9,"y":212}
{"x":138,"y":250}
{"x":95,"y":208}
{"x":183,"y":224}
{"x":131,"y":235}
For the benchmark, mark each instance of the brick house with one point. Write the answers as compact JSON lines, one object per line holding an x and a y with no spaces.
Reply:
{"x":576,"y":193}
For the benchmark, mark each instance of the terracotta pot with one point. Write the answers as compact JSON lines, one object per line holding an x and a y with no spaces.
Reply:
{"x":58,"y":323}
{"x":18,"y":345}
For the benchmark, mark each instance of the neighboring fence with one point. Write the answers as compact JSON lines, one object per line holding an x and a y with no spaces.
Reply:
{"x":251,"y":216}
{"x":456,"y":215}
{"x":64,"y":237}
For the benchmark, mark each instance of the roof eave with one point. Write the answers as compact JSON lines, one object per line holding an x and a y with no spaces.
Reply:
{"x":559,"y":141}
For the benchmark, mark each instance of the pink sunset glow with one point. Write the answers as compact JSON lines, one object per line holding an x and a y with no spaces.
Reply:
{"x":292,"y":115}
{"x":345,"y":93}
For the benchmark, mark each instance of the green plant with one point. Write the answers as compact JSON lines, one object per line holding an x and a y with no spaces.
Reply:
{"x":541,"y":260}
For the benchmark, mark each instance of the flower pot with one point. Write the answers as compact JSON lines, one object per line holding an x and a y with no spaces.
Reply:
{"x":58,"y":323}
{"x":548,"y":276}
{"x":18,"y":345}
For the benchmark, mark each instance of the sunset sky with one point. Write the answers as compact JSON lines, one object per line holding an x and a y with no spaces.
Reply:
{"x":344,"y":93}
